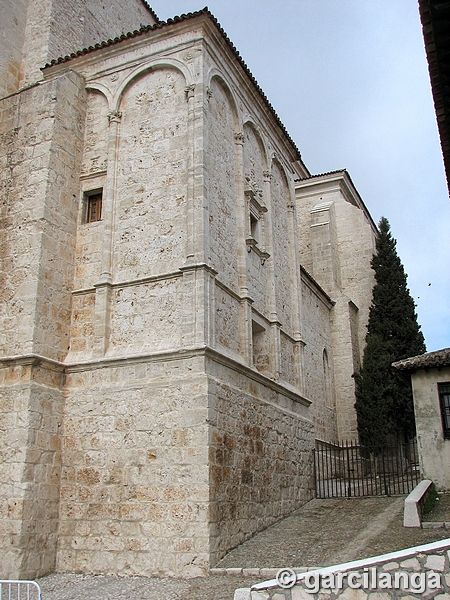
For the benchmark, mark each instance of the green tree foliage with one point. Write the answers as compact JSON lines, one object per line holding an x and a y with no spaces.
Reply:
{"x":384,"y":402}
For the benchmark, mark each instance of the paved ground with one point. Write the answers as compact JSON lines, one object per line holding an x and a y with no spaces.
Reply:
{"x":321,"y":533}
{"x":327,"y":532}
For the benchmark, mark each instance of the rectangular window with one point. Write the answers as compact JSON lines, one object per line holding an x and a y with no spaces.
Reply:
{"x":254,"y":222}
{"x":93,"y":206}
{"x":444,"y":397}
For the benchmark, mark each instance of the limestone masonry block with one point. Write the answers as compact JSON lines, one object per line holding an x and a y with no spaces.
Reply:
{"x":182,"y":303}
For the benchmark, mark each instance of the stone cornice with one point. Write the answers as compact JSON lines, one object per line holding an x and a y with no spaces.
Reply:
{"x":206,"y":352}
{"x":282,"y":388}
{"x":34,"y":360}
{"x":33,"y":368}
{"x":316,"y":288}
{"x":333,"y":181}
{"x":140,"y":38}
{"x":129,"y":283}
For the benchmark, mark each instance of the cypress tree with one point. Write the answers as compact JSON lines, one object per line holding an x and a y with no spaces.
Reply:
{"x":384,"y":401}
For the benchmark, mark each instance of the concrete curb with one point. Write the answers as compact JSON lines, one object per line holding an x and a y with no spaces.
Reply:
{"x":435,"y":524}
{"x":355,"y":565}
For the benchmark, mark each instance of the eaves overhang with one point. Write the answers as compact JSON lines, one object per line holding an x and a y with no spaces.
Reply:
{"x":167,"y":25}
{"x":316,"y":287}
{"x":339,"y":180}
{"x":429,"y":360}
{"x":151,"y":11}
{"x":435,"y":18}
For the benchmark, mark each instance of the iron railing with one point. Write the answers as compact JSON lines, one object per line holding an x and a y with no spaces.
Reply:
{"x":16,"y":589}
{"x":350,"y":469}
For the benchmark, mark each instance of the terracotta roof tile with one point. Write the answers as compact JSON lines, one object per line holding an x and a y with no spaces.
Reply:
{"x":151,"y":11}
{"x":125,"y":36}
{"x":436,"y":359}
{"x":323,"y":174}
{"x":162,"y":24}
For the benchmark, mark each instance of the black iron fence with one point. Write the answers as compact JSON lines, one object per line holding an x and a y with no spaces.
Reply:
{"x":350,"y":470}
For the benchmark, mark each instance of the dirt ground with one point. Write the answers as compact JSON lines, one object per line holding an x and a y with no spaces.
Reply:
{"x":440,"y":511}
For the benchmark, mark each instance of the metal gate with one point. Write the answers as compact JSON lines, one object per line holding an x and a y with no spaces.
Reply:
{"x":351,"y":470}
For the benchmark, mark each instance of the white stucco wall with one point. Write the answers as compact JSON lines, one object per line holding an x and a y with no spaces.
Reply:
{"x":434,"y":450}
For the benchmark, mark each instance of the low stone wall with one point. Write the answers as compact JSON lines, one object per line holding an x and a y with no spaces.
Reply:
{"x":423,"y":571}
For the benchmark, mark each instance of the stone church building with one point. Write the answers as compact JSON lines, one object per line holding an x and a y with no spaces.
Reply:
{"x":182,"y":303}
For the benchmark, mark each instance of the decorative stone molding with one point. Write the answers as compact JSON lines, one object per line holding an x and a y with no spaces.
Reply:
{"x":198,"y":266}
{"x":104,"y":280}
{"x":252,"y":244}
{"x":255,"y":206}
{"x":255,"y":210}
{"x":251,"y":185}
{"x":189,"y":91}
{"x":239,"y":137}
{"x":114,"y":116}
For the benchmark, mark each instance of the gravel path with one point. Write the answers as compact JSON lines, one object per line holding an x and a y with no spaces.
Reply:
{"x":327,"y":532}
{"x":89,"y":587}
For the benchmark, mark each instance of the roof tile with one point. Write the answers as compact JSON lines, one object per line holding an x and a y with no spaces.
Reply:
{"x":436,"y":359}
{"x":159,"y":25}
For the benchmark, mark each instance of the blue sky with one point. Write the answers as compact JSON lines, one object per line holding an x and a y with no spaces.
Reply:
{"x":349,"y":80}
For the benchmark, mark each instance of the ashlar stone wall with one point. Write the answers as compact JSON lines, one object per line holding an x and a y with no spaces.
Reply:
{"x":34,"y":33}
{"x":280,"y":195}
{"x":258,"y":460}
{"x":14,"y":15}
{"x":257,"y":223}
{"x":31,"y":417}
{"x":108,"y":19}
{"x":260,"y":456}
{"x":135,"y":477}
{"x":317,"y":357}
{"x":262,"y":440}
{"x":254,"y":250}
{"x":220,"y":170}
{"x":40,"y":155}
{"x":337,"y":242}
{"x":150,"y":196}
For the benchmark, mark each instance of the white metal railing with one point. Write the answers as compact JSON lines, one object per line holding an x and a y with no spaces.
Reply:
{"x":16,"y":589}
